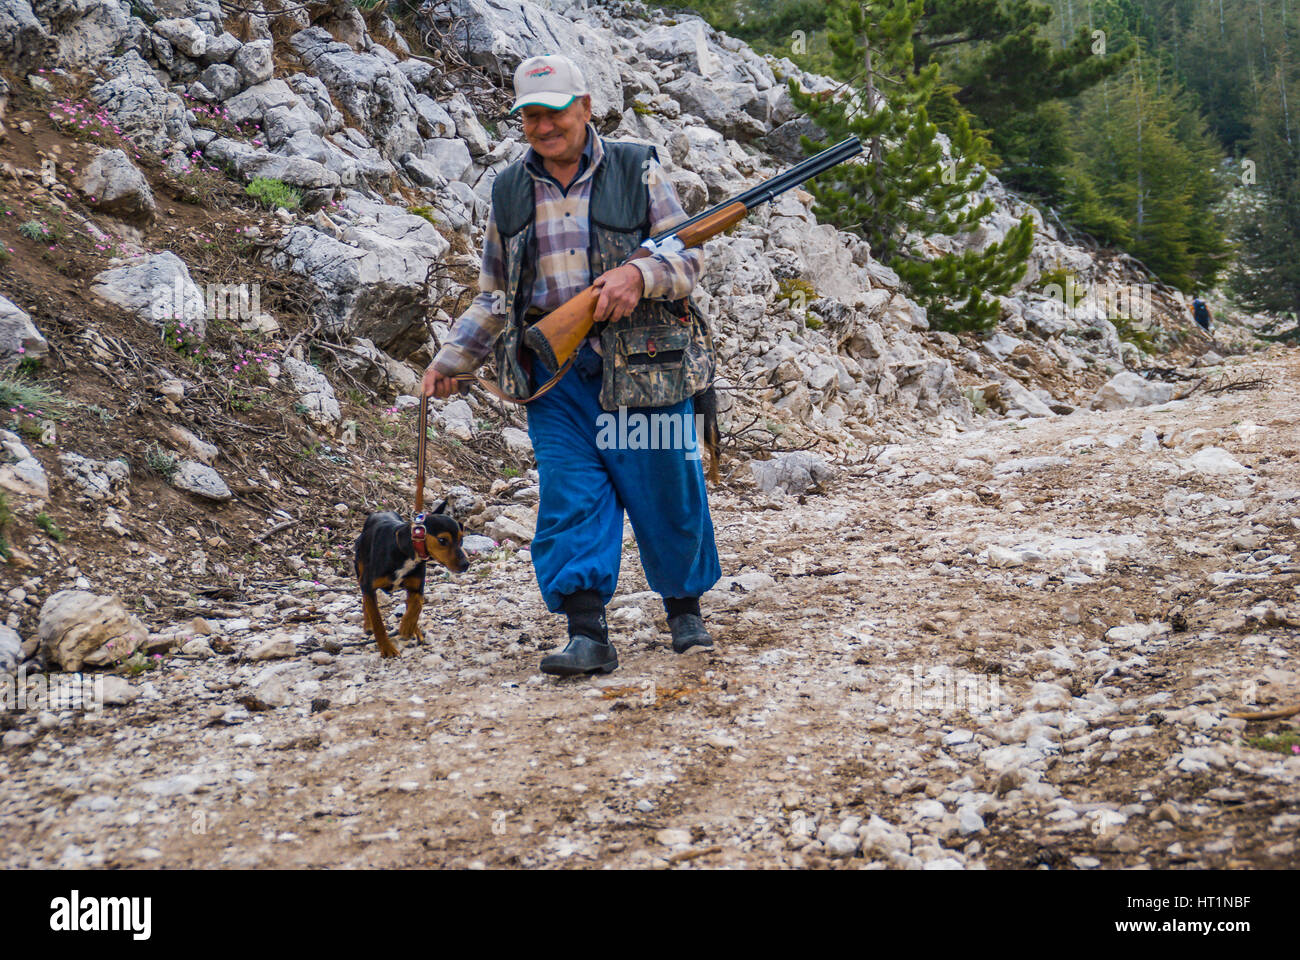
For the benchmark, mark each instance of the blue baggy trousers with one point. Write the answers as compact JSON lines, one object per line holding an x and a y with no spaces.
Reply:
{"x":591,"y":472}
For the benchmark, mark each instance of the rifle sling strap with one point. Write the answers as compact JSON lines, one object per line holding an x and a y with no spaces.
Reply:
{"x":493,"y":388}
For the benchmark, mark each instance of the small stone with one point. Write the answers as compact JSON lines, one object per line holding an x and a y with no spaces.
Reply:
{"x":171,"y":786}
{"x":929,"y":809}
{"x":197,"y":649}
{"x":969,"y":821}
{"x":276,"y":648}
{"x":1166,"y":811}
{"x":201,"y":480}
{"x":117,"y":691}
{"x":475,"y":543}
{"x":671,"y":837}
{"x":268,"y":695}
{"x":840,"y":845}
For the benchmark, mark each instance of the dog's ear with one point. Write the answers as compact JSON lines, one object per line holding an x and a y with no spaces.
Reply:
{"x":440,"y":508}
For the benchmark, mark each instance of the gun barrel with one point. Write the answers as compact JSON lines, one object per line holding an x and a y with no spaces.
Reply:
{"x":775,"y":186}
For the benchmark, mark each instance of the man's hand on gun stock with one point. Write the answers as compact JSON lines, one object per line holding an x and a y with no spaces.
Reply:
{"x":620,"y":291}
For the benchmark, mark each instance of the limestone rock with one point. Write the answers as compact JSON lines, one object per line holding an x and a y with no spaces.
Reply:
{"x":11,"y":649}
{"x":202,"y":480}
{"x":253,"y":61}
{"x":501,"y":34}
{"x":1127,"y":389}
{"x":792,"y":473}
{"x":315,"y":393}
{"x":97,"y":479}
{"x":19,"y":338}
{"x":78,"y":628}
{"x":156,"y":287}
{"x":115,"y":186}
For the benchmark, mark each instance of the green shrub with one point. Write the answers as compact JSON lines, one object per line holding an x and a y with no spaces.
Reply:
{"x":1130,"y":332}
{"x":44,"y":521}
{"x":798,"y":291}
{"x":273,"y":193}
{"x":35,"y":230}
{"x":1288,"y":742}
{"x":26,"y":404}
{"x":163,"y":462}
{"x":425,"y":212}
{"x":1064,"y":280}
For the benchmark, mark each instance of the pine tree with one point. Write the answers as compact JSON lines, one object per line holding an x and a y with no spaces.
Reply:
{"x":1267,"y":274}
{"x":907,"y":188}
{"x":1142,"y":154}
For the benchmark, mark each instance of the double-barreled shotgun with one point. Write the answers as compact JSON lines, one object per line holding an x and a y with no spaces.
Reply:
{"x":556,"y":337}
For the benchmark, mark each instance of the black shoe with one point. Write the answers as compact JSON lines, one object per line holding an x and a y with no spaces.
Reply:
{"x":582,"y":655}
{"x":689,"y":633}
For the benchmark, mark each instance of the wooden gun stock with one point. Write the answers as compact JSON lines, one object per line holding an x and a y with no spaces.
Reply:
{"x":559,"y":334}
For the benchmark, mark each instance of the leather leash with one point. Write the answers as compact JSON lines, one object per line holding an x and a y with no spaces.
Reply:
{"x":496,"y":391}
{"x":417,"y":525}
{"x":465,"y":379}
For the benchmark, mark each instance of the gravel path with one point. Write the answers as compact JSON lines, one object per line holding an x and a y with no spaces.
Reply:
{"x":1010,"y":648}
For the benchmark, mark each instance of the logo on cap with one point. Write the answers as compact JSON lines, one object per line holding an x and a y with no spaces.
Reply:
{"x":541,"y":72}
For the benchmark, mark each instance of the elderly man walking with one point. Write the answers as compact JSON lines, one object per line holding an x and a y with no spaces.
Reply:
{"x":564,"y":217}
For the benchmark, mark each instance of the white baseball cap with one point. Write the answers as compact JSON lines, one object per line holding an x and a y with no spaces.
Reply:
{"x":552,"y":81}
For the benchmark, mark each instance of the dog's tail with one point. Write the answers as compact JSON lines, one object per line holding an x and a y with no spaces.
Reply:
{"x":706,"y":405}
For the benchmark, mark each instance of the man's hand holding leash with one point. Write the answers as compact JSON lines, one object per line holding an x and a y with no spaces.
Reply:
{"x":439,"y":384}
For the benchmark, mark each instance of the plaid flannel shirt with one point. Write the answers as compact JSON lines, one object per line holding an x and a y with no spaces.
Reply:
{"x":563,"y":270}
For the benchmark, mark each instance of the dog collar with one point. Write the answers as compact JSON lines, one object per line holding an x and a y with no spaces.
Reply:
{"x":417,"y":537}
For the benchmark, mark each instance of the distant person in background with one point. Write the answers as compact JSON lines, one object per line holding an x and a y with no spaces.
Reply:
{"x":1201,"y":313}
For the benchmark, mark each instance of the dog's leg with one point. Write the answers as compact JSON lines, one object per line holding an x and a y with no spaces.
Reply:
{"x":410,"y":626}
{"x":371,"y":605}
{"x":366,"y":598}
{"x":366,"y":623}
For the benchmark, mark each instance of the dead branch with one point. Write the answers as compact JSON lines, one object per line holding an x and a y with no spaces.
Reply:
{"x":1270,"y":715}
{"x":274,"y":530}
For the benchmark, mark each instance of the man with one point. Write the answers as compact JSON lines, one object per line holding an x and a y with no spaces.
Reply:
{"x":570,"y":211}
{"x":1201,"y":313}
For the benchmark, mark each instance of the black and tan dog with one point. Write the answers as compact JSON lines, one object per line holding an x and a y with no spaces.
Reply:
{"x":391,"y":553}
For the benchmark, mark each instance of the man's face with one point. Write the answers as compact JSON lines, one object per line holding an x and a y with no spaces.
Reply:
{"x":558,"y":135}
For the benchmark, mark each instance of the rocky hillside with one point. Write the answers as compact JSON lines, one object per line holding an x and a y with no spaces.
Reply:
{"x":230,"y":240}
{"x":309,"y":188}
